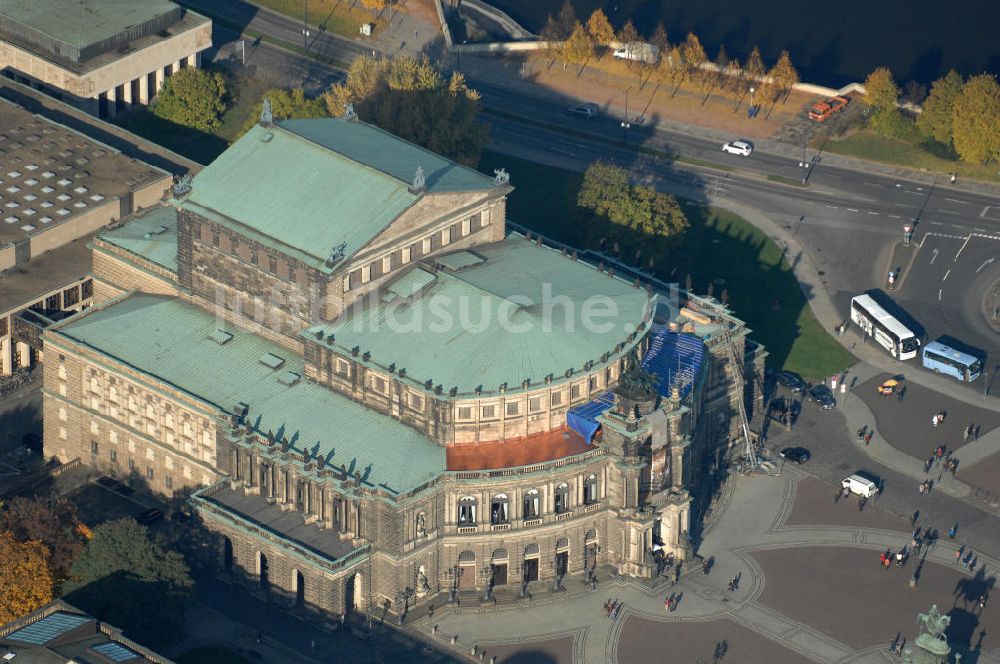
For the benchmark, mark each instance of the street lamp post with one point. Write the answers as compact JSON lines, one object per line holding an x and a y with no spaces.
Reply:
{"x":752,"y":90}
{"x":305,"y":25}
{"x":625,"y":122}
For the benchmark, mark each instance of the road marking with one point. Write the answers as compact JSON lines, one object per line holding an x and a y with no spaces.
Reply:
{"x":939,"y":295}
{"x":851,"y":210}
{"x":981,"y":230}
{"x":934,"y":256}
{"x":985,"y":264}
{"x":915,"y":193}
{"x":945,"y":278}
{"x":874,"y":213}
{"x":833,"y":207}
{"x":955,"y":200}
{"x":894,"y":216}
{"x":985,"y":210}
{"x":962,"y":248}
{"x":938,"y":223}
{"x":948,"y":211}
{"x":872,"y":184}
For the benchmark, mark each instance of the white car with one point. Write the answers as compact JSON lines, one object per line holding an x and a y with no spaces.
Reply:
{"x":741,"y":147}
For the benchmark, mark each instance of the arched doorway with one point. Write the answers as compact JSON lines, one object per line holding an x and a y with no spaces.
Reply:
{"x":300,"y":589}
{"x":262,"y":570}
{"x":227,"y":554}
{"x":590,"y":551}
{"x":562,"y":556}
{"x":467,"y":565}
{"x":500,"y":560}
{"x":531,"y":554}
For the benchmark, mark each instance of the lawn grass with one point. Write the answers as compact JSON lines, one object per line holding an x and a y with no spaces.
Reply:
{"x":212,"y":655}
{"x":762,"y":289}
{"x":246,"y":93}
{"x":342,"y":17}
{"x":912,"y":153}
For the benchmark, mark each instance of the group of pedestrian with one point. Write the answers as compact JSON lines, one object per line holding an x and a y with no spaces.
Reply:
{"x":966,"y":558}
{"x":896,"y":645}
{"x":925,"y":486}
{"x":971,"y":432}
{"x":612,"y":607}
{"x":671,"y":602}
{"x":938,"y":418}
{"x":865,"y":435}
{"x":734,"y":583}
{"x":900,"y":557}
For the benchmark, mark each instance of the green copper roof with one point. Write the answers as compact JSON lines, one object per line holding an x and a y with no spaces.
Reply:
{"x":84,"y":22}
{"x":169,"y":340}
{"x":323,"y":186}
{"x":455,"y":332}
{"x":369,"y":145}
{"x":152,"y":236}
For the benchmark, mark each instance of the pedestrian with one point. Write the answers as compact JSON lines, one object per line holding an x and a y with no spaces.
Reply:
{"x":913,"y":519}
{"x":868,"y":438}
{"x":982,"y":601}
{"x":954,"y":177}
{"x":927,"y":465}
{"x":972,"y":564}
{"x":975,"y":433}
{"x":953,"y":531}
{"x":899,"y":393}
{"x":934,"y":419}
{"x":958,"y":554}
{"x":967,"y":433}
{"x":892,"y":644}
{"x":881,"y":559}
{"x":862,"y":503}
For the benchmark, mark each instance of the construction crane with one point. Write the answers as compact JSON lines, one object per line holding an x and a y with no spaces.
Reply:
{"x":750,"y":453}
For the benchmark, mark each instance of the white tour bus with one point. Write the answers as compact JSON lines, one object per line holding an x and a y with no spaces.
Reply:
{"x":878,"y":324}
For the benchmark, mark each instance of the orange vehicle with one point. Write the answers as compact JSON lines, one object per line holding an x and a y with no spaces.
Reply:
{"x":822,"y":110}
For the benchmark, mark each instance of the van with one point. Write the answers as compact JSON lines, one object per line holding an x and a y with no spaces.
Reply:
{"x":861,"y":484}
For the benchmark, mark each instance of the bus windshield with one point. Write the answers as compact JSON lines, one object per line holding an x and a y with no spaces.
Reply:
{"x":910,"y":345}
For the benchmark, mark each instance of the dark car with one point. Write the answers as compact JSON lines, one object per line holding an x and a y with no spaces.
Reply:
{"x":797,"y":455}
{"x":791,"y":381}
{"x":149,"y":517}
{"x":822,"y":397}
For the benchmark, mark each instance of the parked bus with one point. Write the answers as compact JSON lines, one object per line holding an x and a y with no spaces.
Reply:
{"x":878,"y":324}
{"x":941,"y":358}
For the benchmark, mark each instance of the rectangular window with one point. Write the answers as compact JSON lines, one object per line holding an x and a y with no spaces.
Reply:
{"x":94,"y":449}
{"x":291,"y":273}
{"x":574,"y":392}
{"x":131,"y":465}
{"x":149,"y":472}
{"x":534,"y":404}
{"x":253,"y":255}
{"x":557,"y":398}
{"x":416,"y":402}
{"x":593,"y":383}
{"x":169,"y":481}
{"x":478,"y":221}
{"x":114,"y":456}
{"x":216,"y":240}
{"x":465,"y":413}
{"x":379,"y":384}
{"x":513,"y":409}
{"x":489,"y":412}
{"x":272,"y":264}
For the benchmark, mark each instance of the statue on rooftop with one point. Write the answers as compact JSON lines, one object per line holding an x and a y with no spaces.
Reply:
{"x":419,"y":182}
{"x":636,"y":382}
{"x":501,"y":177}
{"x":349,"y":113}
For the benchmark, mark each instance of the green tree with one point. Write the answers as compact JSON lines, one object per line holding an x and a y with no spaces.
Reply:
{"x":935,"y":121}
{"x":193,"y":97}
{"x":288,"y":105}
{"x":49,"y":520}
{"x":976,"y":120}
{"x":122,"y":577}
{"x":600,"y":28}
{"x":783,"y":74}
{"x":579,"y":48}
{"x":412,"y":99}
{"x":633,"y":216}
{"x":755,"y":68}
{"x":881,"y":90}
{"x":25,"y":580}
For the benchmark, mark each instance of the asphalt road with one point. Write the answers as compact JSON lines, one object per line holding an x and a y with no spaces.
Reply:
{"x":849,"y":220}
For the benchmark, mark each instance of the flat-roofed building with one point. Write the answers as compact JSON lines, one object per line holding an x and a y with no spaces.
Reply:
{"x":57,"y":188}
{"x":101,"y":55}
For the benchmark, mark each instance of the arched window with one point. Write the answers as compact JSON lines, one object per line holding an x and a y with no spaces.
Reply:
{"x":590,"y":490}
{"x":499,"y":509}
{"x":467,"y":511}
{"x":562,"y":498}
{"x":531,"y":504}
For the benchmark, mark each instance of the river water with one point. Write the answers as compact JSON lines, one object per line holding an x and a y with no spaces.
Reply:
{"x":831,"y":43}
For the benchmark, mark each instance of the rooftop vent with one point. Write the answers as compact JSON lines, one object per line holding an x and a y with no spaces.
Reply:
{"x":289,"y":378}
{"x":220,"y":337}
{"x":271,"y":360}
{"x":159,"y":230}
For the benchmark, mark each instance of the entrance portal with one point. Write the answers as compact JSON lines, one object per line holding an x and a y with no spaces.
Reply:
{"x":500,"y":574}
{"x":531,"y":569}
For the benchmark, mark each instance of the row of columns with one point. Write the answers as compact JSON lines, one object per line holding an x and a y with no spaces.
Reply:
{"x":13,"y":355}
{"x":142,"y":94}
{"x":282,"y":485}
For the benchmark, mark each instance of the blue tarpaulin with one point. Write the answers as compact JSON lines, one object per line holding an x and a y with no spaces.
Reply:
{"x":583,"y":418}
{"x":674,"y":356}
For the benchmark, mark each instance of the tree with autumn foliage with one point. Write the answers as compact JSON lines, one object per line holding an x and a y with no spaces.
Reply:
{"x":784,"y":75}
{"x":599,"y":28}
{"x":25,"y":580}
{"x":50,"y":520}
